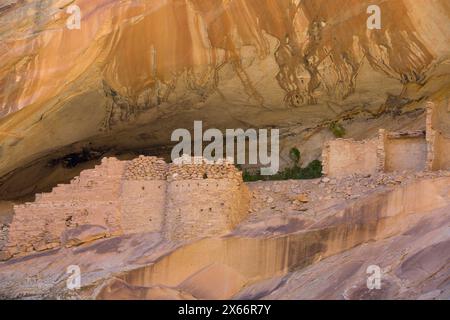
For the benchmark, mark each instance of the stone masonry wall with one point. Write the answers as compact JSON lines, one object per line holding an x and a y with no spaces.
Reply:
{"x":381,"y":150}
{"x":390,"y":151}
{"x":430,"y":136}
{"x":143,"y":196}
{"x":345,"y":156}
{"x":394,"y":151}
{"x":201,"y":208}
{"x":143,"y":205}
{"x":4,"y":231}
{"x":438,"y":157}
{"x":90,"y":199}
{"x":405,"y":151}
{"x":204,"y":200}
{"x":183,"y":201}
{"x":442,"y":153}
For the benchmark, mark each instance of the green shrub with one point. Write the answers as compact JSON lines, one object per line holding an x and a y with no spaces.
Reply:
{"x":248,"y":176}
{"x":337,"y":129}
{"x":312,"y":171}
{"x":294,"y":155}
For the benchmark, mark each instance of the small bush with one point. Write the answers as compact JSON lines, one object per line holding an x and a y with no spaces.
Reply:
{"x":337,"y":129}
{"x":312,"y":171}
{"x":294,"y":155}
{"x":248,"y":176}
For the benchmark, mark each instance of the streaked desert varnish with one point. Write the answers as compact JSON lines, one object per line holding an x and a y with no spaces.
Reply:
{"x":210,"y":55}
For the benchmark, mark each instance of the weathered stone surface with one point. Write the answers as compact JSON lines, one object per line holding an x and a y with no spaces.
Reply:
{"x":402,"y":228}
{"x":46,"y":246}
{"x":302,"y":198}
{"x":120,"y":290}
{"x":125,"y":197}
{"x":83,"y":234}
{"x":5,"y":255}
{"x":390,"y":152}
{"x":120,"y":83}
{"x":413,"y":265}
{"x":214,"y":282}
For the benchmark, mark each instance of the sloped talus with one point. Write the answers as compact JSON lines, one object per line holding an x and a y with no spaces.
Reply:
{"x":242,"y":261}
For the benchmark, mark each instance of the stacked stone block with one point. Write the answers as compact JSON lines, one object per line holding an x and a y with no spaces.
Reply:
{"x":395,"y":151}
{"x":438,"y":157}
{"x":345,"y":156}
{"x":203,"y":171}
{"x":204,"y":199}
{"x":146,"y":168}
{"x":184,"y":201}
{"x":92,"y":198}
{"x":381,"y":150}
{"x":143,"y":195}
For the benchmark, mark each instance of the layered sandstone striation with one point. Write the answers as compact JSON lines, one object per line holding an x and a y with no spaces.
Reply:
{"x":327,"y":236}
{"x":123,"y":82}
{"x":295,"y":231}
{"x":137,"y":70}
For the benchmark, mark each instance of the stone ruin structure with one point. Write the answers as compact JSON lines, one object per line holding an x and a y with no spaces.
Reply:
{"x":423,"y":150}
{"x":182,"y":201}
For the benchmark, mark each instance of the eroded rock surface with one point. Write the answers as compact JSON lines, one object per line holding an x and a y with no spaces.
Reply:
{"x":321,"y":253}
{"x":136,"y":70}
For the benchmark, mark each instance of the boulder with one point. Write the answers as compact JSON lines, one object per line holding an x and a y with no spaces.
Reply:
{"x":303,"y":198}
{"x":5,"y":255}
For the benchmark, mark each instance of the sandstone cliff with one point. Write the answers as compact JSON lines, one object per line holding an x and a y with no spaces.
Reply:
{"x":136,"y":70}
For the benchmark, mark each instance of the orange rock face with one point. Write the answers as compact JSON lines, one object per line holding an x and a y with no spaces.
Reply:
{"x":143,"y":68}
{"x":134,"y":45}
{"x":81,"y":80}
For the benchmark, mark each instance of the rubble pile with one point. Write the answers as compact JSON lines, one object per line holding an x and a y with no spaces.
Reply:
{"x":146,"y":168}
{"x":195,"y":168}
{"x":310,"y":196}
